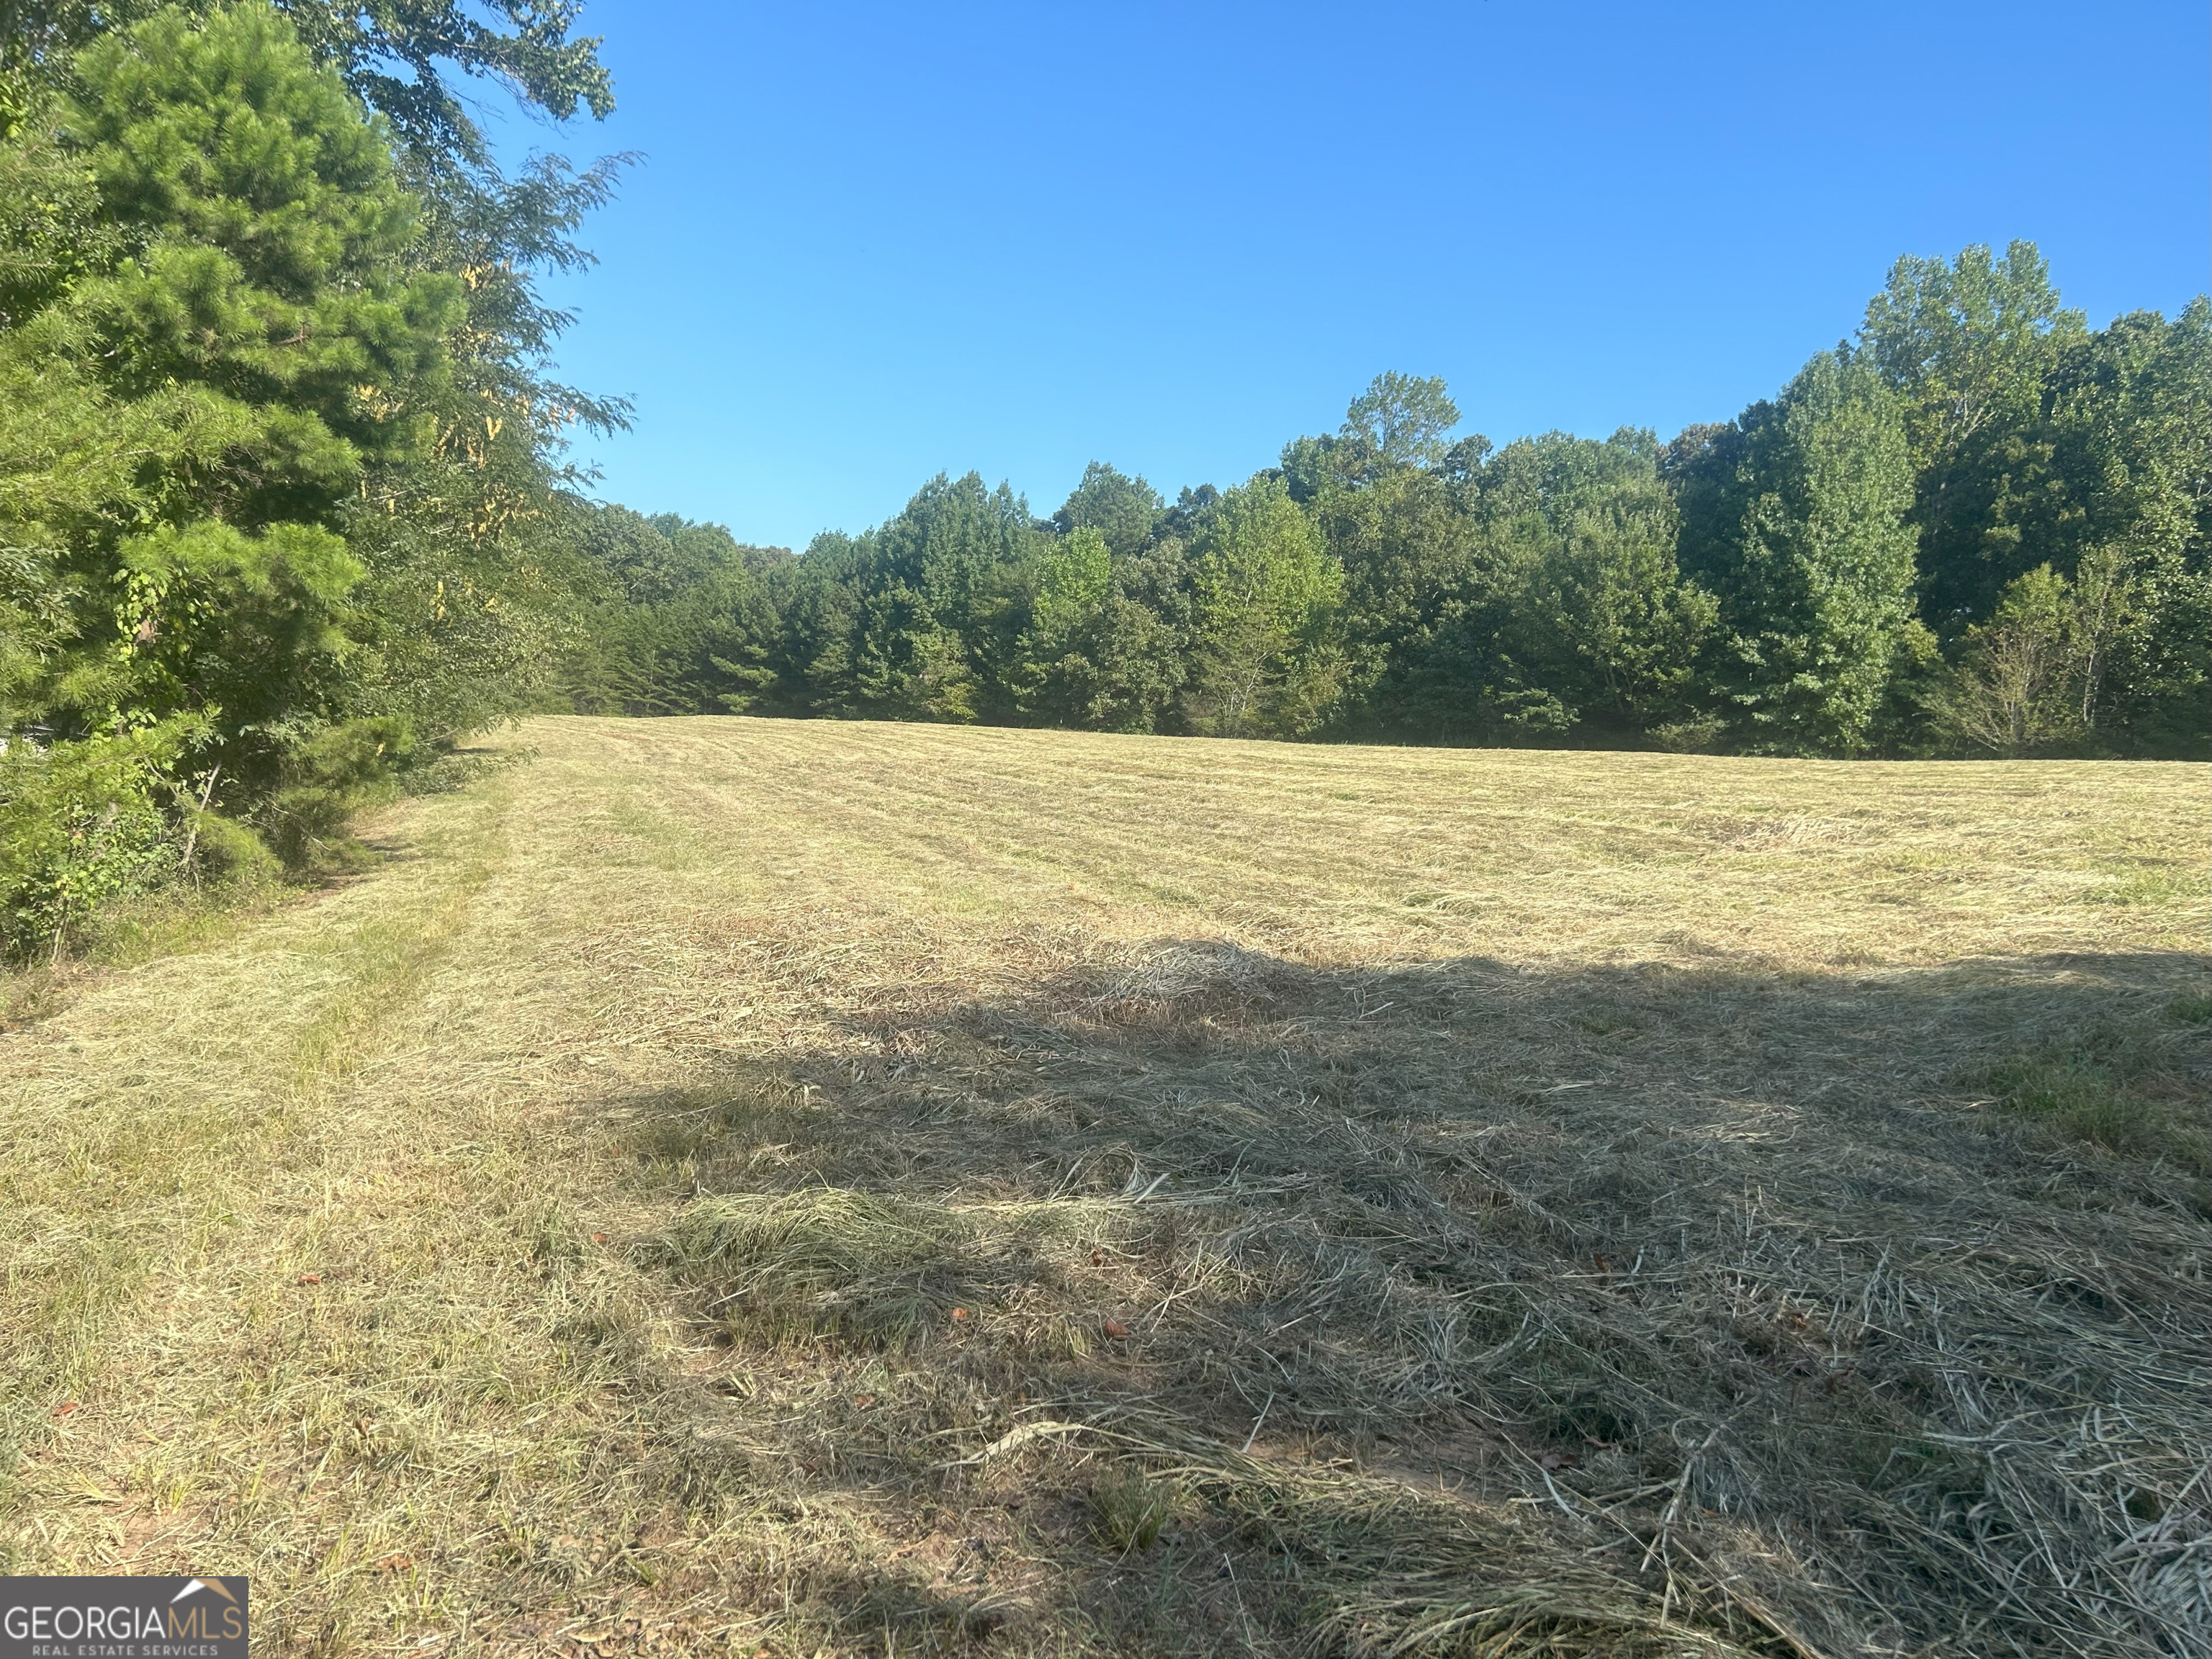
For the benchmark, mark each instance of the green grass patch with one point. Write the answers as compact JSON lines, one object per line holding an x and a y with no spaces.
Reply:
{"x":2125,"y":1086}
{"x":2153,"y":888}
{"x":827,"y":1260}
{"x":1129,"y":1509}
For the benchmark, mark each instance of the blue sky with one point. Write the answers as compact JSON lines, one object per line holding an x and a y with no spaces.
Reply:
{"x":871,"y":242}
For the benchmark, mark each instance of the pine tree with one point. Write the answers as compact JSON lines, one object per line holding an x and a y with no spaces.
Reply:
{"x":1794,"y":520}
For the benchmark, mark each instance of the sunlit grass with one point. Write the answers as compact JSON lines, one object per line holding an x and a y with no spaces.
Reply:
{"x":727,"y":1185}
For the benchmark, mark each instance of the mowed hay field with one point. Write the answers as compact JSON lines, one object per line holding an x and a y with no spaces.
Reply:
{"x":722,"y":1186}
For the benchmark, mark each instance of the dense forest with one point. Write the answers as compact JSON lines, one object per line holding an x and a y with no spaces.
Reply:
{"x":285,"y":510}
{"x":1980,"y":528}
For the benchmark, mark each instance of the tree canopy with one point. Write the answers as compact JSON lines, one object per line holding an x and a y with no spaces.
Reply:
{"x":1980,"y":526}
{"x":279,"y":474}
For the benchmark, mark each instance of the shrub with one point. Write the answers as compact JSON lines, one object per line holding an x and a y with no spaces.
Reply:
{"x":78,"y":827}
{"x":325,"y":780}
{"x":225,"y":851}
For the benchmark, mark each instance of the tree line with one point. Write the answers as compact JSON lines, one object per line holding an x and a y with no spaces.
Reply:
{"x":282,"y":492}
{"x":1977,"y":527}
{"x":285,"y":510}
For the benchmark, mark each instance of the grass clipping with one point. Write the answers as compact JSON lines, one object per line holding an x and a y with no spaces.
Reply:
{"x":814,"y":1188}
{"x":1512,"y":1312}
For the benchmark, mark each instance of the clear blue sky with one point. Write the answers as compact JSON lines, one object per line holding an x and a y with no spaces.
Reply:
{"x":870,"y":242}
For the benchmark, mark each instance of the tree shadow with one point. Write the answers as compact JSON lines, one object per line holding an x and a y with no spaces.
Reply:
{"x":1625,"y":1292}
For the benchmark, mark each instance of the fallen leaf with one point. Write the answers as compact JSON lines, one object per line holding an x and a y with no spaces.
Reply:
{"x":308,"y":1278}
{"x":65,"y":1408}
{"x":1116,"y":1329}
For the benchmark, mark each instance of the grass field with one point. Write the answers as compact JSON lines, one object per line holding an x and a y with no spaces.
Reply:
{"x":721,"y":1186}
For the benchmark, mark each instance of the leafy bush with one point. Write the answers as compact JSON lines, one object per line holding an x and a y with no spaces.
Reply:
{"x":222,"y":850}
{"x":79,"y":826}
{"x":329,"y":778}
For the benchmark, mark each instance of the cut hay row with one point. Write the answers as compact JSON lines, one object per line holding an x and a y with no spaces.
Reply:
{"x":730,"y":1187}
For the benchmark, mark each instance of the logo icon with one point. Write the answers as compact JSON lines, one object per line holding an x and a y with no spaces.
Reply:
{"x":123,"y":1618}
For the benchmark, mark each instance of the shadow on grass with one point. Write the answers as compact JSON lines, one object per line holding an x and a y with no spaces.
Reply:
{"x":1459,"y":1300}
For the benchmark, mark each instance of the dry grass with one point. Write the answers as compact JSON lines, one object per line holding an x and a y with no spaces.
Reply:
{"x":736,"y":1187}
